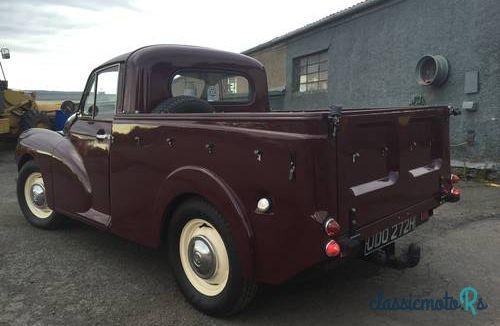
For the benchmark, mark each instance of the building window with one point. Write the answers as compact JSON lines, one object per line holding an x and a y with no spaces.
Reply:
{"x":311,"y":72}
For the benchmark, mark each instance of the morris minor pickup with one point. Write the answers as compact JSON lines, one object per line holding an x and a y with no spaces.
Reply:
{"x":177,"y":146}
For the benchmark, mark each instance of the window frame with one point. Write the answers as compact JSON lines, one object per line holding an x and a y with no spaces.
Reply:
{"x":100,"y":71}
{"x":297,"y":72}
{"x":94,"y":76}
{"x":89,"y":84}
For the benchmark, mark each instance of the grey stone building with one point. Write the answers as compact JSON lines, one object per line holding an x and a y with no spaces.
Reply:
{"x":399,"y":53}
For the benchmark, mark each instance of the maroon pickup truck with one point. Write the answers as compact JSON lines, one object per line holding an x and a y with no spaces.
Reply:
{"x":176,"y":145}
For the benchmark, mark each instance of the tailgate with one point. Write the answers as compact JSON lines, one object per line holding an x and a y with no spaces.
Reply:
{"x":390,"y":159}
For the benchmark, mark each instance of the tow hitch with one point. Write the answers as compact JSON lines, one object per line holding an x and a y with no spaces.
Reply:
{"x":409,"y":257}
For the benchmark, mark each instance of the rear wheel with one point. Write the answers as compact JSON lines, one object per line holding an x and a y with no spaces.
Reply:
{"x":31,"y":195}
{"x":205,"y":262}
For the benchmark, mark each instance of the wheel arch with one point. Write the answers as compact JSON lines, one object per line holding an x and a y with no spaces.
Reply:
{"x":170,"y":209}
{"x":23,"y":159}
{"x":197,"y":182}
{"x":56,"y":157}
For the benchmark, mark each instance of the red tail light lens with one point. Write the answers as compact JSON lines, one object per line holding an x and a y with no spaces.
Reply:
{"x":332,"y":228}
{"x":332,"y":249}
{"x":454,"y":179}
{"x":454,"y":195}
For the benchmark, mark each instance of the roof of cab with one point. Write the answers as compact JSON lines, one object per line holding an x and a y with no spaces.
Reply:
{"x":187,"y":54}
{"x":146,"y":69}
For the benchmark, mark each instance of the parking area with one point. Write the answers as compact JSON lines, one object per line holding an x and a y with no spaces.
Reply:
{"x":80,"y":276}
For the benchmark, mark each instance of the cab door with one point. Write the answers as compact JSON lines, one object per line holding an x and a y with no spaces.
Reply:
{"x":91,"y":138}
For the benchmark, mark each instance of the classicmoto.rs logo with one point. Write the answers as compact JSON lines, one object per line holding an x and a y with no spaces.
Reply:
{"x":468,"y":300}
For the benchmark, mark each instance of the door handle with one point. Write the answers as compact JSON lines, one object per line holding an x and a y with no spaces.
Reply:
{"x":138,"y":142}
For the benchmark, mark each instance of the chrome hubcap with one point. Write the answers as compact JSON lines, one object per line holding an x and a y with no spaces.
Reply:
{"x":38,"y":195}
{"x":202,"y":257}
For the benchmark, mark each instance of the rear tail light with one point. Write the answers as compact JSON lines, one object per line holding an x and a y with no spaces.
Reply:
{"x":332,"y":248}
{"x":332,"y":228}
{"x":454,"y":195}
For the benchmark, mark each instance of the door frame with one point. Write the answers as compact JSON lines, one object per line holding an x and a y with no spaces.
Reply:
{"x":93,"y":216}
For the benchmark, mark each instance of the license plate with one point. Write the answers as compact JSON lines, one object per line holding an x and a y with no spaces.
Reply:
{"x":389,"y":234}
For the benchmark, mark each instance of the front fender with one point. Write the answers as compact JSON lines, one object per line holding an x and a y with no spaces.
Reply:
{"x":37,"y":145}
{"x":203,"y":182}
{"x":61,"y":166}
{"x":36,"y":142}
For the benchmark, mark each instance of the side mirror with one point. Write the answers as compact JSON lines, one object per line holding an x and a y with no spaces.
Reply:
{"x":93,"y":110}
{"x":67,"y":125}
{"x":5,"y":53}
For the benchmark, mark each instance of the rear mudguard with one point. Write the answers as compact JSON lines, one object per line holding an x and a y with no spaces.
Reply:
{"x":203,"y":182}
{"x":58,"y":162}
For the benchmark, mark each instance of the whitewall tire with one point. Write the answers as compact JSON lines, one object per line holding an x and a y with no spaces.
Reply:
{"x":205,"y":261}
{"x":32,"y":198}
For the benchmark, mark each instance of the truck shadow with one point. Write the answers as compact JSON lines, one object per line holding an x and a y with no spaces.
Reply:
{"x":7,"y":145}
{"x":317,"y":290}
{"x":320,"y":295}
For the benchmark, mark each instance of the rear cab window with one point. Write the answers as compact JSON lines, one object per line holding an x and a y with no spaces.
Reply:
{"x":224,"y":90}
{"x":214,"y":87}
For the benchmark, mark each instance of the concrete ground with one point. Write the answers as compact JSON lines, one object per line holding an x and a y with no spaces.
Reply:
{"x":80,"y":276}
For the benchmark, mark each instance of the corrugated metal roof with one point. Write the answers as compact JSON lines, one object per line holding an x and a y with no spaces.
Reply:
{"x":323,"y":21}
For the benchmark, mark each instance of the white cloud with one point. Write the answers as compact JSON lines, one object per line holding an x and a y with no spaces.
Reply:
{"x":62,"y":40}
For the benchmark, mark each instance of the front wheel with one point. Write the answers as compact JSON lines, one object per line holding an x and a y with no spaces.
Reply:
{"x":31,"y":195}
{"x":205,"y":262}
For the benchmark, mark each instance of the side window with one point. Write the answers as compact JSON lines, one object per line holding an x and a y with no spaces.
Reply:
{"x":103,"y":103}
{"x":107,"y":93}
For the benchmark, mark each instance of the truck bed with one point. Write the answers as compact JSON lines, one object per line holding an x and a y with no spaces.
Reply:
{"x":378,"y":165}
{"x":380,"y":161}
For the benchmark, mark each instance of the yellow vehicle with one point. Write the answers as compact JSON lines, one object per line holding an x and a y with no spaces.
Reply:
{"x":20,"y":111}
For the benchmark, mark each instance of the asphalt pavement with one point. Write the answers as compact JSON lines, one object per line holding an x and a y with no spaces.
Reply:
{"x":81,"y":276}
